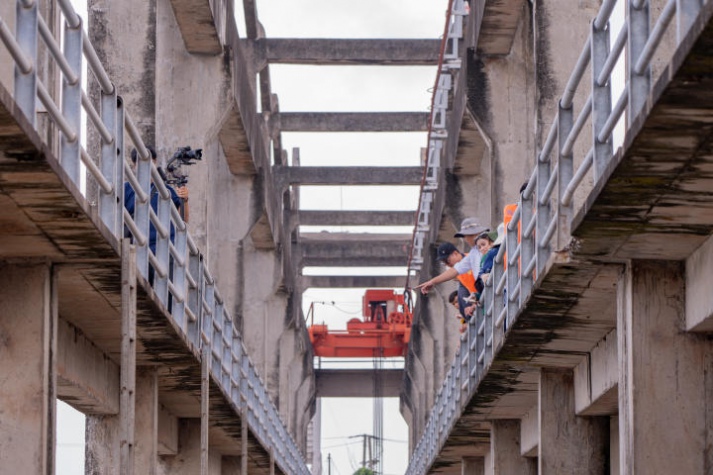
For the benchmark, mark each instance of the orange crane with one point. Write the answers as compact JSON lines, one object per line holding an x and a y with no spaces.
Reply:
{"x":384,"y":331}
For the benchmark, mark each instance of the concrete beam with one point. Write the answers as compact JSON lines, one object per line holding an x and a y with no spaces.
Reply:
{"x":351,"y":281}
{"x":499,"y":25}
{"x":349,"y":51}
{"x":347,"y":175}
{"x":356,"y":218}
{"x":699,"y":272}
{"x":354,"y":121}
{"x":86,"y":378}
{"x":357,"y":382}
{"x":346,"y":249}
{"x":596,"y":379}
{"x":197,"y":22}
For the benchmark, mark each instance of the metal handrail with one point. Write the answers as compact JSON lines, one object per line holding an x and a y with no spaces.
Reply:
{"x":545,"y":178}
{"x":263,"y":418}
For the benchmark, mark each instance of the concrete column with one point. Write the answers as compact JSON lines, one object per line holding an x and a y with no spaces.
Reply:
{"x":28,"y":317}
{"x":188,"y":459}
{"x":146,"y":423}
{"x":663,"y":389}
{"x":473,"y":466}
{"x":505,"y":450}
{"x":568,"y":443}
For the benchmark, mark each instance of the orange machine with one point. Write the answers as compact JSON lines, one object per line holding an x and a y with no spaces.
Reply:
{"x":384,"y":331}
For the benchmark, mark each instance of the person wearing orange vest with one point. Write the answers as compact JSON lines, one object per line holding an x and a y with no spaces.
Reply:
{"x":450,"y":256}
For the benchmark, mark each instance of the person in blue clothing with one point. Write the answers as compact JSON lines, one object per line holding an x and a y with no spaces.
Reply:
{"x":179,"y":197}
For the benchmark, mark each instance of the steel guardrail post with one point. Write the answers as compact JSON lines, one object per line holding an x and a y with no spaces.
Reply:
{"x":601,"y":97}
{"x":160,"y":282}
{"x":108,"y":209}
{"x":686,"y":14}
{"x":639,"y":85}
{"x":26,"y":33}
{"x":72,"y":102}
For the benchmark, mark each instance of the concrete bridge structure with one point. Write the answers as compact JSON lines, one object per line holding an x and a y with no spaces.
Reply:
{"x":590,"y":354}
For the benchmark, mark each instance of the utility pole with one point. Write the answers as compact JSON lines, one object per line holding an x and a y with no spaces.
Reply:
{"x":329,"y":464}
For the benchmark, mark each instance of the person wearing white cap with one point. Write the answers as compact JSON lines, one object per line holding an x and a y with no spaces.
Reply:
{"x":470,"y":229}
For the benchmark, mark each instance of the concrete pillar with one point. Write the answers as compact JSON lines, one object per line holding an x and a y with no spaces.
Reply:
{"x":568,"y":443}
{"x":146,"y":422}
{"x":663,"y":379}
{"x":230,"y":465}
{"x":188,"y":459}
{"x":473,"y":466}
{"x":505,"y":458}
{"x":28,"y":317}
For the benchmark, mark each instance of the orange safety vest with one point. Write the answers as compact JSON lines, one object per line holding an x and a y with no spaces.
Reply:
{"x":468,"y":280}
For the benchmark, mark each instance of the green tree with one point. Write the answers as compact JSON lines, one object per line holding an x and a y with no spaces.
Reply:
{"x":364,"y":471}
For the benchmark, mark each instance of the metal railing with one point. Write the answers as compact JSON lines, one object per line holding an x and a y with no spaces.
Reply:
{"x":181,"y":279}
{"x":543,"y":217}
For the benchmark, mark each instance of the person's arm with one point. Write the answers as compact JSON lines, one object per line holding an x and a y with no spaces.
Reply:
{"x":182,"y":194}
{"x":449,"y":274}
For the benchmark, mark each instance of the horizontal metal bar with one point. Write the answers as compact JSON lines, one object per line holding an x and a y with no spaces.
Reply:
{"x":512,"y":260}
{"x":177,"y":258}
{"x":159,"y":184}
{"x":577,"y":178}
{"x":530,"y":266}
{"x":69,"y":133}
{"x":177,"y":219}
{"x":73,"y":20}
{"x":23,"y":63}
{"x":501,"y":317}
{"x":191,"y":316}
{"x":191,"y":245}
{"x":531,"y":183}
{"x":550,"y":231}
{"x":655,"y":37}
{"x":515,"y":293}
{"x":512,"y":225}
{"x":160,"y":228}
{"x":141,"y":196}
{"x":107,"y":187}
{"x":614,"y":55}
{"x":613,"y":118}
{"x":605,"y":12}
{"x":177,"y":294}
{"x":544,"y":156}
{"x":501,"y":284}
{"x":158,"y":267}
{"x":191,"y":281}
{"x":529,"y":229}
{"x":550,"y":186}
{"x":139,"y":237}
{"x":133,"y":131}
{"x":576,"y":76}
{"x":96,"y":65}
{"x":106,"y":136}
{"x":577,"y":127}
{"x":69,"y":74}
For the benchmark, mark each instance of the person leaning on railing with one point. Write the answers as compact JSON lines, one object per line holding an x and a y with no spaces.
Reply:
{"x":470,"y":230}
{"x":450,"y":255}
{"x":179,"y":198}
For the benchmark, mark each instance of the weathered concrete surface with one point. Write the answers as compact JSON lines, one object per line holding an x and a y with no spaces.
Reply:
{"x":699,"y":305}
{"x":28,"y":307}
{"x":357,"y":382}
{"x":347,"y":51}
{"x":500,"y":23}
{"x":596,"y":379}
{"x":354,"y":249}
{"x":568,"y":443}
{"x":505,"y":450}
{"x":654,"y":199}
{"x":355,"y":218}
{"x":347,"y":175}
{"x":353,"y":121}
{"x":201,"y":24}
{"x":86,"y":378}
{"x":661,"y":367}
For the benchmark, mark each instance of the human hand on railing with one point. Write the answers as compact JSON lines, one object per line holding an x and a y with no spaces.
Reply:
{"x":469,"y":310}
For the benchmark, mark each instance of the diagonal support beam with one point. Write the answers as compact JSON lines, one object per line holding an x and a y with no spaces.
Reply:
{"x":354,"y":121}
{"x":349,"y":51}
{"x":285,"y":176}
